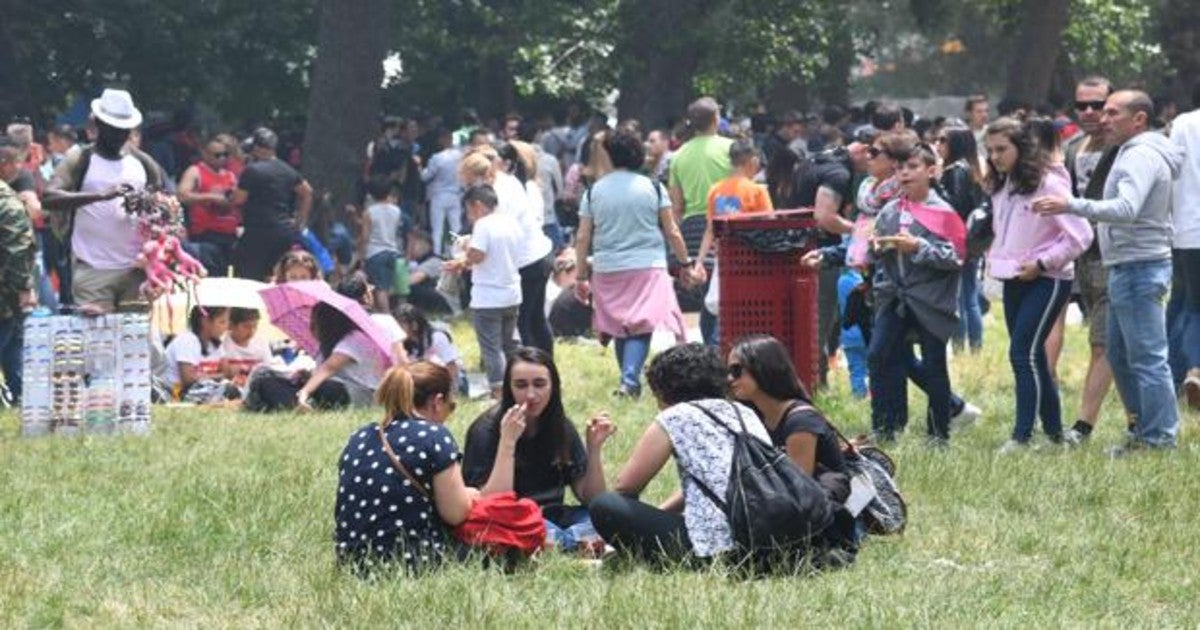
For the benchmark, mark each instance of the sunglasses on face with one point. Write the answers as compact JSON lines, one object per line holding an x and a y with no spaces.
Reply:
{"x":735,"y":370}
{"x":1083,"y":106}
{"x":874,"y":152}
{"x":220,"y":156}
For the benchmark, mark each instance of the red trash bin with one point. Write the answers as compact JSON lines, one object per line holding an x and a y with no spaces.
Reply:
{"x":764,"y":288}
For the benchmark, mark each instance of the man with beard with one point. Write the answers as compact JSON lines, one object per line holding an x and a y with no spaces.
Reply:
{"x":86,"y":193}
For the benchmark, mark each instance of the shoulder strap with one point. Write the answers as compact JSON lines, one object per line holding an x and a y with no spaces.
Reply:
{"x":717,"y":421}
{"x":81,"y":166}
{"x":398,"y":465}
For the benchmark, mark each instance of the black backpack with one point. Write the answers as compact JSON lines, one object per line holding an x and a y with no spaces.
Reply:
{"x":774,"y":509}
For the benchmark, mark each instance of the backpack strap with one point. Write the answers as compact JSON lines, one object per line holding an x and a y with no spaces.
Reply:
{"x":712,"y":496}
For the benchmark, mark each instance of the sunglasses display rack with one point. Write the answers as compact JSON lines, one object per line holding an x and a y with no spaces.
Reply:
{"x":86,"y":374}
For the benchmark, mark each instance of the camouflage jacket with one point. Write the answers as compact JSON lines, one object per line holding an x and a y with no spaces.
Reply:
{"x":16,"y":252}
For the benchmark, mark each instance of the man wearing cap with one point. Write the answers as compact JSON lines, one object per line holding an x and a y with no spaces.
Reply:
{"x":275,"y":202}
{"x":85,"y":193}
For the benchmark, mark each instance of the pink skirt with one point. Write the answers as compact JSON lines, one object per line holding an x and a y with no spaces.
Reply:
{"x":636,"y":302}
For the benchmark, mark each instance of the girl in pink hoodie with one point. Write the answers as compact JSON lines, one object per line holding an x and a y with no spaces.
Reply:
{"x":1033,"y":255}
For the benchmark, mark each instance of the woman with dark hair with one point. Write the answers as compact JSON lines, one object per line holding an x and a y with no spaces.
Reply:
{"x":1033,"y":255}
{"x":548,"y":457}
{"x":195,"y":353}
{"x":357,"y":286}
{"x":961,"y":182}
{"x":624,"y":220}
{"x":347,"y":358}
{"x":761,"y":375}
{"x":696,"y":426}
{"x":782,"y":177}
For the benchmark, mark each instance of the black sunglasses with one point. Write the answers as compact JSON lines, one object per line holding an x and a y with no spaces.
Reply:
{"x":735,"y":370}
{"x":1083,"y":106}
{"x":219,"y":156}
{"x":874,"y":151}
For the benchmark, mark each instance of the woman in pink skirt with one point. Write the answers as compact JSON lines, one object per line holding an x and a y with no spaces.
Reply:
{"x":623,"y":220}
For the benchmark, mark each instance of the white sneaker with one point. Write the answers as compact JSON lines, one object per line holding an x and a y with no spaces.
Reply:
{"x":1073,"y":438}
{"x":1012,"y":446}
{"x":969,"y":414}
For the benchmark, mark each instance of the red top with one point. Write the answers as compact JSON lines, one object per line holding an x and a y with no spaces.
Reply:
{"x":206,"y":216}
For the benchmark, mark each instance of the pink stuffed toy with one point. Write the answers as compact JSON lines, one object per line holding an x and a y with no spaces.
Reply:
{"x":163,"y":259}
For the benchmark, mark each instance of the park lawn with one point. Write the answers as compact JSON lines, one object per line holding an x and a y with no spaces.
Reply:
{"x":221,"y":519}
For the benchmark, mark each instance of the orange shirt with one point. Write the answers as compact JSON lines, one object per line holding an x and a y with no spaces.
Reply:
{"x":737,"y":195}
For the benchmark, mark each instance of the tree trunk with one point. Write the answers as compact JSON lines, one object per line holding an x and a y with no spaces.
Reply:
{"x":344,"y":100}
{"x":14,"y":95}
{"x":1032,"y":66}
{"x":658,"y":57}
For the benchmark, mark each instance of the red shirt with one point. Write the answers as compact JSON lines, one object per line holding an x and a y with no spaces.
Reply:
{"x":206,"y":216}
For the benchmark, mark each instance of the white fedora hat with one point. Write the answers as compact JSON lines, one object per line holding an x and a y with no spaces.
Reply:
{"x":115,"y":108}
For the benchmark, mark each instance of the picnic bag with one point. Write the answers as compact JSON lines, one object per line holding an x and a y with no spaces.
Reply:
{"x":499,"y":523}
{"x":771,"y":504}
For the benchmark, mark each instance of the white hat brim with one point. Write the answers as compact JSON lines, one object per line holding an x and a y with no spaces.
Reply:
{"x":134,"y":121}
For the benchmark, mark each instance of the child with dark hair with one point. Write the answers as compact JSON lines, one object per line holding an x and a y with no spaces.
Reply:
{"x":734,"y":195}
{"x":242,"y":348}
{"x":195,"y":353}
{"x":381,"y":239}
{"x":917,"y":250}
{"x":493,"y":256}
{"x":357,"y":287}
{"x":425,"y":341}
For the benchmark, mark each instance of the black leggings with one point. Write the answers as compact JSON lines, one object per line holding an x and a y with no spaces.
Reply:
{"x":633,"y":527}
{"x":531,"y":318}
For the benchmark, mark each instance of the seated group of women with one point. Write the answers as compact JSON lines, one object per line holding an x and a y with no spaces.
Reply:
{"x":527,"y":444}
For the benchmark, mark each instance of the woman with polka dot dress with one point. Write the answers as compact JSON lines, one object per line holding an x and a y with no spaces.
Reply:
{"x":386,"y":512}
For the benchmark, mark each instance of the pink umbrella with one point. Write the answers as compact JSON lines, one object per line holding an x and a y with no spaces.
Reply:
{"x":290,"y":306}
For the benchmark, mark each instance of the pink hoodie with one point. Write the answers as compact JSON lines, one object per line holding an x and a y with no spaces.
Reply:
{"x":1022,"y":235}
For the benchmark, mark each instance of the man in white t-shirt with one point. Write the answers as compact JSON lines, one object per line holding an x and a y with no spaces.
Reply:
{"x":89,"y":184}
{"x":493,"y":256}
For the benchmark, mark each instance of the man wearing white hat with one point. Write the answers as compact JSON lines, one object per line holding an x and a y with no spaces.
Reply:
{"x":86,"y":188}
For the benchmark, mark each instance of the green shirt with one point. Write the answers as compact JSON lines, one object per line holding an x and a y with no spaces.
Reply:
{"x":16,"y":252}
{"x":700,"y":163}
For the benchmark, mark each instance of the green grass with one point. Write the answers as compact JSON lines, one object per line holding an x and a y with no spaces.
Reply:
{"x":221,"y":519}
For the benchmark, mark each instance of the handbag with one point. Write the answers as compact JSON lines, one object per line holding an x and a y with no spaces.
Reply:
{"x":980,"y":230}
{"x":498,"y":523}
{"x":884,"y":510}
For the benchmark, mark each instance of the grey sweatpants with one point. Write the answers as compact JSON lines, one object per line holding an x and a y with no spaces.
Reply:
{"x":494,"y":328}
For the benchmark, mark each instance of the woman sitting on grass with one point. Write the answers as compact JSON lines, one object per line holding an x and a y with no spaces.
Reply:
{"x":387,"y":513}
{"x":548,"y":457}
{"x":424,"y":341}
{"x":696,"y":426}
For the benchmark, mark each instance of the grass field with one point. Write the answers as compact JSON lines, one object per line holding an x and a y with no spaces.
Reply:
{"x":221,"y":519}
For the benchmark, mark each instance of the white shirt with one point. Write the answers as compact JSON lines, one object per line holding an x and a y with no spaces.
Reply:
{"x":392,"y":327}
{"x":362,"y":376}
{"x":516,"y":201}
{"x":186,"y":348}
{"x":1185,"y":204}
{"x":496,"y":282}
{"x":104,"y":236}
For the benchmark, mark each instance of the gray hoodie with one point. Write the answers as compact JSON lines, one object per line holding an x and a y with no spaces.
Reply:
{"x":1134,"y":218}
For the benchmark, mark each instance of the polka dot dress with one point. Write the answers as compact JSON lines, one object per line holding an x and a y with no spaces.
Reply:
{"x":378,"y":513}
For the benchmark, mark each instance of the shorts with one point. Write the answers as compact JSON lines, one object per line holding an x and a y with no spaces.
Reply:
{"x":110,"y":289}
{"x":381,"y":270}
{"x":1092,"y":279}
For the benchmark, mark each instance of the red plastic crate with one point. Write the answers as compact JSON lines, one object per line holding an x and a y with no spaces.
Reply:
{"x":769,"y":293}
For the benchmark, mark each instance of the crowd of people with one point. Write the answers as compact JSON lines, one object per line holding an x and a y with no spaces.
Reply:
{"x":542,"y":230}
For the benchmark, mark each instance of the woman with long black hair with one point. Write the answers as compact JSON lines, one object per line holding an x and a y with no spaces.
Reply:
{"x":961,"y":182}
{"x":549,"y":456}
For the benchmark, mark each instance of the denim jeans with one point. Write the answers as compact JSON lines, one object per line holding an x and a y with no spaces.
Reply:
{"x":1183,"y":313}
{"x":920,"y":377}
{"x":1137,"y":348}
{"x":570,"y":527}
{"x":890,"y":369}
{"x":631,"y":356}
{"x":494,"y":328}
{"x":12,"y":342}
{"x":856,"y":361}
{"x":1030,"y":310}
{"x":970,"y":316}
{"x":710,"y":335}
